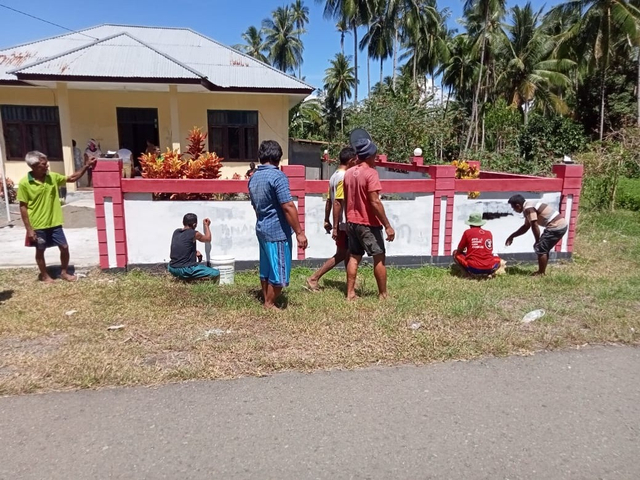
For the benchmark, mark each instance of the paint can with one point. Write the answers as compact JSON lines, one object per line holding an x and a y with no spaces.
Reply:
{"x":226,"y":265}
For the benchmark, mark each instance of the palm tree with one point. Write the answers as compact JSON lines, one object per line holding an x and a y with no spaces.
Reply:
{"x":338,"y":81}
{"x":488,"y":16}
{"x":460,"y":70}
{"x":599,"y":25}
{"x":254,"y":46}
{"x":305,"y":119}
{"x":379,"y":38}
{"x":530,"y":73}
{"x":282,"y":40}
{"x":356,"y":13}
{"x":300,"y":17}
{"x":343,"y":29}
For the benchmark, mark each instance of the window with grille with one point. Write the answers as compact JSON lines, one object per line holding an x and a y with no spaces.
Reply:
{"x":233,"y":134}
{"x":31,"y":128}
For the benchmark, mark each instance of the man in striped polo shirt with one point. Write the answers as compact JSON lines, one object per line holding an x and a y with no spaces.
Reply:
{"x":538,"y":214}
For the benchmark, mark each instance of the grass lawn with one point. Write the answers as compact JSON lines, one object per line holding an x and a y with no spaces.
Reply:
{"x":592,"y":300}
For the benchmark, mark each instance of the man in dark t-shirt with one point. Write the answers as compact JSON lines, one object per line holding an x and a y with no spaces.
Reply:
{"x":185,"y":258}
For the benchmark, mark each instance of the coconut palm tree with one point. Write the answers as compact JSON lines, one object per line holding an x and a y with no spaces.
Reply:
{"x":338,"y":81}
{"x":300,"y":14}
{"x":254,"y":46}
{"x":379,"y":38}
{"x":343,"y":29}
{"x":599,"y":25}
{"x":484,"y":19}
{"x":530,"y":74}
{"x":282,"y":40}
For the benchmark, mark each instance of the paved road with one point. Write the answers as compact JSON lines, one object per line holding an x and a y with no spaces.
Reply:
{"x":569,"y":415}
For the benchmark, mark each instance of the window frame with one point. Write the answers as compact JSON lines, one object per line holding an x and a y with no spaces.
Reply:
{"x":23,"y":125}
{"x":243,"y":128}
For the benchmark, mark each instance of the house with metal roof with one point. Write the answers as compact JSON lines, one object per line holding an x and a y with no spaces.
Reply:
{"x":125,"y":86}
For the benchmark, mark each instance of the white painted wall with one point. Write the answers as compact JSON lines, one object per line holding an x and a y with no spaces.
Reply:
{"x":411,"y":220}
{"x":501,"y":227}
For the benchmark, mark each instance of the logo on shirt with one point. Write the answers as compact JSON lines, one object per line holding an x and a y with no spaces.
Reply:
{"x":488,"y":244}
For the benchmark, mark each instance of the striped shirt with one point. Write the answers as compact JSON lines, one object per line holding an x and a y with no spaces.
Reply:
{"x":269,"y":190}
{"x":544,"y":214}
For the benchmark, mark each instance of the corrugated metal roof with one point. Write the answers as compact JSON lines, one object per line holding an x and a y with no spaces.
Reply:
{"x":116,"y":56}
{"x":223,"y":66}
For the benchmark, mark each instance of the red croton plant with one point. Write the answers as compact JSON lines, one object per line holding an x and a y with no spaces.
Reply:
{"x":195,"y":163}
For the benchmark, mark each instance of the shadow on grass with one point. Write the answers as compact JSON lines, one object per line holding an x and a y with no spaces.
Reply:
{"x":5,"y":295}
{"x":517,"y":270}
{"x":338,"y":285}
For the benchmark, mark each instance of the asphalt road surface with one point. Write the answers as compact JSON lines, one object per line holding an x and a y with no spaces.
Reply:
{"x":563,"y":415}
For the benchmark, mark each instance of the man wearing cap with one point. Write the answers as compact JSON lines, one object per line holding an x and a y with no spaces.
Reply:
{"x":365,"y":217}
{"x":475,"y":250}
{"x":539,"y":214}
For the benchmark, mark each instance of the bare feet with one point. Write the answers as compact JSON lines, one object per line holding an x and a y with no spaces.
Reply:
{"x":68,"y":278}
{"x":352,"y":298}
{"x":383,"y":296}
{"x":312,"y":285}
{"x":537,"y":274}
{"x":271,"y":308}
{"x":45,"y":279}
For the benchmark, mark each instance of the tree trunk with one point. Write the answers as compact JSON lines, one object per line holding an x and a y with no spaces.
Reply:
{"x":368,"y":74}
{"x":395,"y":58}
{"x":638,"y":87}
{"x":342,"y":42}
{"x":603,"y":89}
{"x":476,"y":95}
{"x":526,"y":112}
{"x":381,"y":71}
{"x":342,"y":115}
{"x":415,"y":69}
{"x":355,"y":60}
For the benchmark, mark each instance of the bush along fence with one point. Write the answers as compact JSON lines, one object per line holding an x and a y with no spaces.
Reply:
{"x":428,"y":213}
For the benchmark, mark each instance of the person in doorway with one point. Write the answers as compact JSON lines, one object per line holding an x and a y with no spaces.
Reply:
{"x":365,"y":218}
{"x":335,"y":203}
{"x":41,"y":211}
{"x":92,"y":152}
{"x":475,"y":250}
{"x":78,"y":161}
{"x":185,"y":263}
{"x":252,"y":170}
{"x":151,"y":148}
{"x":539,"y":214}
{"x":276,"y":216}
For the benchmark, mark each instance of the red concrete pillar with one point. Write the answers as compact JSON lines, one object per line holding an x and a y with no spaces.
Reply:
{"x":109,"y":200}
{"x":571,"y":188}
{"x":297,"y":183}
{"x":445,"y":178}
{"x":418,"y":161}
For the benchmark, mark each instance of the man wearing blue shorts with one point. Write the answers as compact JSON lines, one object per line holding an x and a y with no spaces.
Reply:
{"x":41,"y":212}
{"x":276,"y":216}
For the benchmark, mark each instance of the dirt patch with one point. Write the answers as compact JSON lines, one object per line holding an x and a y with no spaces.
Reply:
{"x":37,"y":347}
{"x":79,"y":217}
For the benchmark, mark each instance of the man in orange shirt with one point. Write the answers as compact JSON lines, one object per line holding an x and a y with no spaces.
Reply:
{"x":366,"y":217}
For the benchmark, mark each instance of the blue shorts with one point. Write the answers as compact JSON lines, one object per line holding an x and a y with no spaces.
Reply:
{"x":49,"y":237}
{"x":275,"y":262}
{"x":481,"y":271}
{"x":194,"y":272}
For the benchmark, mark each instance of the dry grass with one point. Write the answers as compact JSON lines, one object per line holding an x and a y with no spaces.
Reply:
{"x":592,"y":300}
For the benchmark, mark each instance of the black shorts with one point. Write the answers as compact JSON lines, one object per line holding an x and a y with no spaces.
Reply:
{"x":365,"y":239}
{"x":549,"y":238}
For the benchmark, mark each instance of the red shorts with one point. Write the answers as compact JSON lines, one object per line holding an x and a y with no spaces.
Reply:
{"x":342,"y":240}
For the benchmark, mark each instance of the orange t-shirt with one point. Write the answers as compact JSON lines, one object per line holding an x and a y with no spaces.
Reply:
{"x":359,"y":181}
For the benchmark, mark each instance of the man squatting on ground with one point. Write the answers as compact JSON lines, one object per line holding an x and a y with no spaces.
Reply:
{"x":276,"y":217}
{"x":538,"y":214}
{"x":335,"y":202}
{"x":365,"y":218}
{"x":41,"y":211}
{"x":185,"y":258}
{"x":475,"y":250}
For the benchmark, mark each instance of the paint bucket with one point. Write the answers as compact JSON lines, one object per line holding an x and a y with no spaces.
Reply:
{"x":227,"y":268}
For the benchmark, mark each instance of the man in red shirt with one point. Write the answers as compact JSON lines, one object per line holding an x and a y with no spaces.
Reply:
{"x":366,"y":217}
{"x":475,"y":251}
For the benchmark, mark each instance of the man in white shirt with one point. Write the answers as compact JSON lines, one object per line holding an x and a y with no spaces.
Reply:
{"x":335,"y":202}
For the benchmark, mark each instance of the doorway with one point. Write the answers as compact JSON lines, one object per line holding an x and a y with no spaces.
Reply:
{"x":136,"y":126}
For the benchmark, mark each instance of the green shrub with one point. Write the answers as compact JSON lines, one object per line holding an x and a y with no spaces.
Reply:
{"x":628,"y":194}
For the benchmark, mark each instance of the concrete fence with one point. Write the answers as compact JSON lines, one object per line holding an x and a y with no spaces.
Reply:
{"x":427,"y":213}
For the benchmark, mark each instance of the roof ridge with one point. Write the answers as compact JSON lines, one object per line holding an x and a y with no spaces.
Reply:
{"x":271,"y":67}
{"x":102,"y":40}
{"x":75,"y":32}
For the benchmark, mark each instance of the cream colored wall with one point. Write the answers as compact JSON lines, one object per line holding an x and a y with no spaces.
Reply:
{"x":93,"y":115}
{"x":41,"y":97}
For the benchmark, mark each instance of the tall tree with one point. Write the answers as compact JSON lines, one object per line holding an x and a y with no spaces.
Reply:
{"x":339,"y":80}
{"x":530,"y":74}
{"x":343,"y":29}
{"x":599,"y":25}
{"x":300,"y":14}
{"x":488,"y":17}
{"x":254,"y":46}
{"x":282,"y":40}
{"x":379,"y":38}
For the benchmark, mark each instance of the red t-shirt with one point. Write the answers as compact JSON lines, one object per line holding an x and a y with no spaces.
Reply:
{"x":358,"y":182}
{"x":479,"y":245}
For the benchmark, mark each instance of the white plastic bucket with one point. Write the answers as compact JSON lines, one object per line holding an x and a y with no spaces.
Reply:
{"x":227,"y":268}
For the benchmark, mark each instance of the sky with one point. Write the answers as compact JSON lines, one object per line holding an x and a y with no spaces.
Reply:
{"x":222,"y":20}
